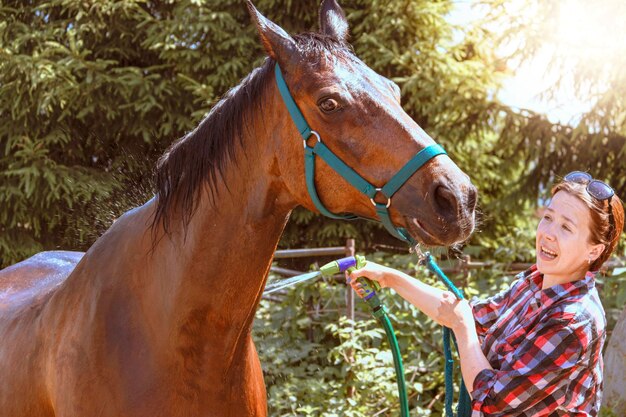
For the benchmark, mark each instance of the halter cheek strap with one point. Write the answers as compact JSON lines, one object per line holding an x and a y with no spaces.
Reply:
{"x":350,"y":175}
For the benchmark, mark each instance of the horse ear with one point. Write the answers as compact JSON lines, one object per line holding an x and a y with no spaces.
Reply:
{"x":278,"y":44}
{"x":333,"y":20}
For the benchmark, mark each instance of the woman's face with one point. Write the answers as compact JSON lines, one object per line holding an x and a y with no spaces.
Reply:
{"x":562,"y":241}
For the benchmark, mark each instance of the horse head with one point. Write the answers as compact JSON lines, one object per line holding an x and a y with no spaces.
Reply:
{"x":357,"y":114}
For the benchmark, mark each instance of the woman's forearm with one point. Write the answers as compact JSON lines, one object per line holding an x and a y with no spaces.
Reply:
{"x":426,"y":298}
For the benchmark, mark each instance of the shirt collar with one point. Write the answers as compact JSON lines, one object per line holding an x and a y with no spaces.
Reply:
{"x":558,"y":292}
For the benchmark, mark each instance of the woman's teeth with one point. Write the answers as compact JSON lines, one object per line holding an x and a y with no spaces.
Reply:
{"x":548,"y":253}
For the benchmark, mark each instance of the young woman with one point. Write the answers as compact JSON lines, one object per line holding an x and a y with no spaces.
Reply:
{"x":536,"y":348}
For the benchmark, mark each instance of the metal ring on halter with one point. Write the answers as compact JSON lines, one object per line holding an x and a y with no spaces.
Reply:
{"x":313,"y":132}
{"x":378,"y":190}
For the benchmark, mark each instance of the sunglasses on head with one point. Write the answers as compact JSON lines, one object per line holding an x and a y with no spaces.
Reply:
{"x":595,"y":188}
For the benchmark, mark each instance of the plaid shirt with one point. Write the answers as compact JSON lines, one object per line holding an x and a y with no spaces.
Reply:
{"x":545,"y":347}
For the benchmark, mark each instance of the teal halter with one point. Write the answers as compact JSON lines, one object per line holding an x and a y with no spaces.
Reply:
{"x":388,"y":190}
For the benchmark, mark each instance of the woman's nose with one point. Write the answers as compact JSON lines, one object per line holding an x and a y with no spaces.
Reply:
{"x":549,"y":233}
{"x":546,"y":231}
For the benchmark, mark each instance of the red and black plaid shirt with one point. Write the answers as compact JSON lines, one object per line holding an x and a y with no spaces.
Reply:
{"x":545,"y":347}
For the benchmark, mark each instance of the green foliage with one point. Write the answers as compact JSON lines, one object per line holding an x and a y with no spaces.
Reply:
{"x":91,"y":93}
{"x":604,"y":412}
{"x":613,"y":292}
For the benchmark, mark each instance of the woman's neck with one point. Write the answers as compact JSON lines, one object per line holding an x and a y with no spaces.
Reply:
{"x":550,"y":280}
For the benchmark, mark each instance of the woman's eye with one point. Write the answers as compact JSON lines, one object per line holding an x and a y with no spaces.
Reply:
{"x":546,"y":217}
{"x":567,"y":228}
{"x":328,"y":105}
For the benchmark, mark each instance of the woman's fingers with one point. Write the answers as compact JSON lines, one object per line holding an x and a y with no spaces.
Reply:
{"x":356,"y":274}
{"x":453,"y":312}
{"x":371,"y":270}
{"x":356,"y":286}
{"x":360,"y":292}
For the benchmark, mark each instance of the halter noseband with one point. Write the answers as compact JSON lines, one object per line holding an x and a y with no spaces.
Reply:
{"x":388,"y":190}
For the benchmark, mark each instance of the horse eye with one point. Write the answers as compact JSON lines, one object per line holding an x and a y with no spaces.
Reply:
{"x":328,"y":105}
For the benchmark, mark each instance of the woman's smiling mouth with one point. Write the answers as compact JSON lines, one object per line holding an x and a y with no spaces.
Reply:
{"x":547,"y":253}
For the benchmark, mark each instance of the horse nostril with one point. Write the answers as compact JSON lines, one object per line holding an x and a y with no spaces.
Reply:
{"x":445,"y":199}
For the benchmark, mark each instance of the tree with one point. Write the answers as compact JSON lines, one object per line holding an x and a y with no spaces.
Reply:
{"x":582,"y":45}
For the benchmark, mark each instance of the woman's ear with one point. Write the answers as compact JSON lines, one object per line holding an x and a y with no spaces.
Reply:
{"x":596,"y":251}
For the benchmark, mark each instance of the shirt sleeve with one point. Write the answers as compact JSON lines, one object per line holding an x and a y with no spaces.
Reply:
{"x":486,"y":311}
{"x":533,"y":372}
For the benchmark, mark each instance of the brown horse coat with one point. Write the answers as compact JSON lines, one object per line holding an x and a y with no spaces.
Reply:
{"x":155,"y":319}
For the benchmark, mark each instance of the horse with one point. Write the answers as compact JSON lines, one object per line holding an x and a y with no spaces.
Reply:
{"x":155,"y":318}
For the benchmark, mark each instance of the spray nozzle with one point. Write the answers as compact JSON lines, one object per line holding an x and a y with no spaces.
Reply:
{"x":343,"y":264}
{"x":349,"y":264}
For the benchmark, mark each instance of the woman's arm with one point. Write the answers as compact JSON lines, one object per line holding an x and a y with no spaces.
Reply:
{"x":441,"y":306}
{"x":426,"y":298}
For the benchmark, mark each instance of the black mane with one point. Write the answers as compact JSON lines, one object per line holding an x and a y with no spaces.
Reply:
{"x":203,"y":154}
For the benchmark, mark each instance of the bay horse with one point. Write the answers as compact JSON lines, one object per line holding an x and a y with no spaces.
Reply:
{"x":155,"y":318}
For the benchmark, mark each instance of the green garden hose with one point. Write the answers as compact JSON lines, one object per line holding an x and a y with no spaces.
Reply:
{"x":379,"y":311}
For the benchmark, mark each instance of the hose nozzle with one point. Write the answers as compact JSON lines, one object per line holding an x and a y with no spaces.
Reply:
{"x":349,"y":264}
{"x":342,"y":265}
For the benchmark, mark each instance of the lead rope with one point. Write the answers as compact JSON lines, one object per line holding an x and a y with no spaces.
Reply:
{"x":464,"y":406}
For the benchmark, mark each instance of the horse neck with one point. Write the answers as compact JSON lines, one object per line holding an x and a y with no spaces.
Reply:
{"x":194,"y":292}
{"x":213,"y":275}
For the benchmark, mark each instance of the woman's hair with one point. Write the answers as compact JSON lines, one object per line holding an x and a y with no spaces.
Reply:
{"x":600,"y":227}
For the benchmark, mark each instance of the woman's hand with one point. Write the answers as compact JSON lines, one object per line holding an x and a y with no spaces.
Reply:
{"x":454,"y":313}
{"x":373,"y":272}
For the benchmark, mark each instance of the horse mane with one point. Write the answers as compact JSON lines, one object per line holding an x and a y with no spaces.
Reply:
{"x":202,"y":155}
